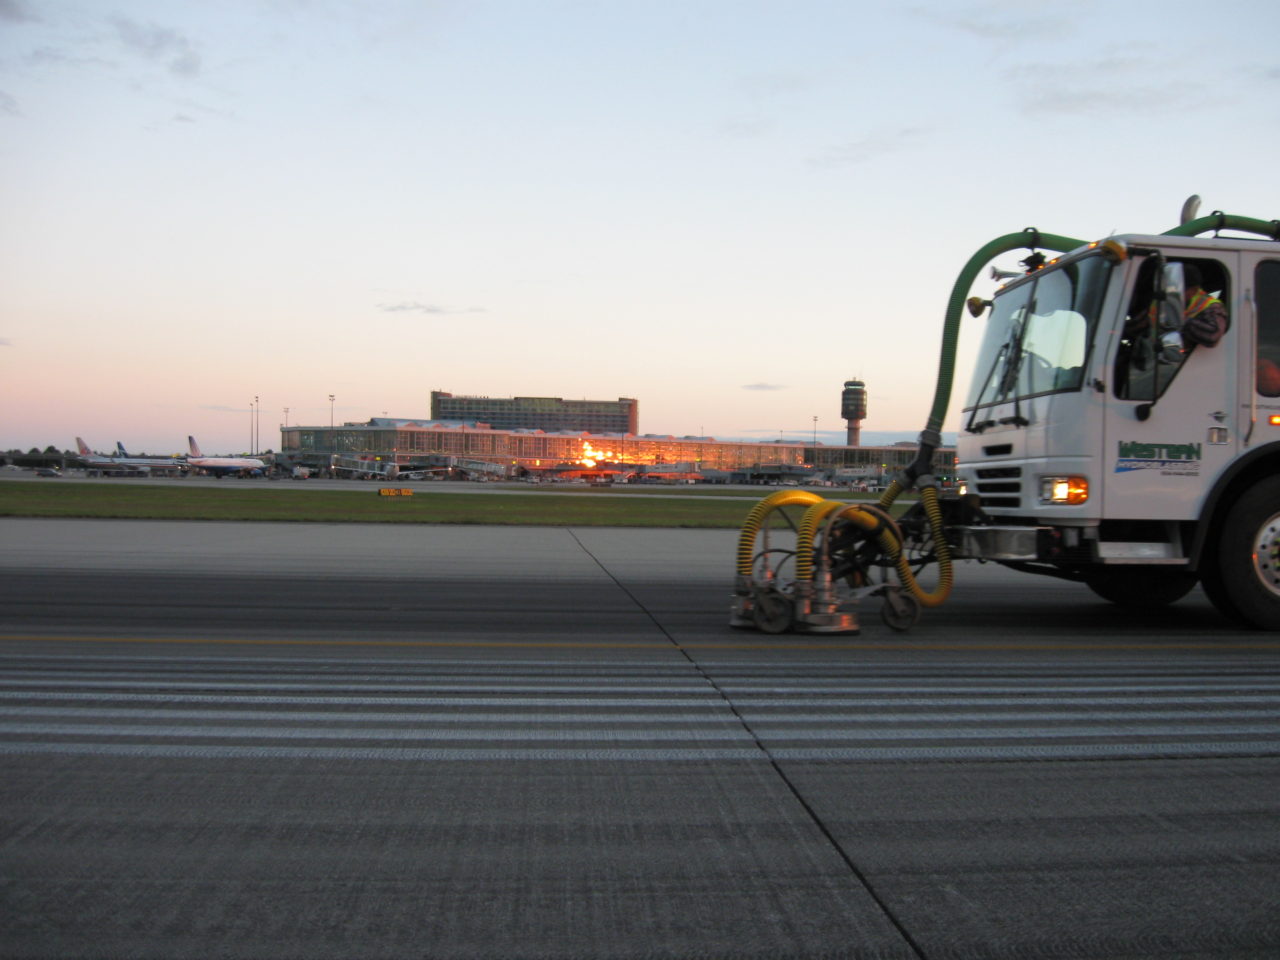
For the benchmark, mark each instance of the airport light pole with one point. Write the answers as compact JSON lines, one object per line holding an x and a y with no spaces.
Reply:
{"x":333,"y":444}
{"x":257,"y":424}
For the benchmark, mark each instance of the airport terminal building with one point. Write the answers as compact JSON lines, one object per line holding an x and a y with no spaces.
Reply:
{"x":539,"y":413}
{"x":478,"y":448}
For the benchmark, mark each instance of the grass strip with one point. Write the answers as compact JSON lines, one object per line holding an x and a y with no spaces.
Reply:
{"x":120,"y":501}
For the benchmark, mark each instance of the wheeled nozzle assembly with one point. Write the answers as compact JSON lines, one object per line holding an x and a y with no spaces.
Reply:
{"x":835,"y":551}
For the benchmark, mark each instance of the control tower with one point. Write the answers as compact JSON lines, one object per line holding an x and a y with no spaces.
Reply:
{"x":853,"y":408}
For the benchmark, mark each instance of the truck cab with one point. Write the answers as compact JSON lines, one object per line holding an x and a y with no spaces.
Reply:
{"x":1104,"y":445}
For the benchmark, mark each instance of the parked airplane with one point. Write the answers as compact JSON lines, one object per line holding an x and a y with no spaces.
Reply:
{"x":221,"y":466}
{"x":123,"y":463}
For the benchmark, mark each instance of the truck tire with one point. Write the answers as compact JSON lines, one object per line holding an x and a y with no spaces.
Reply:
{"x":1141,"y":588}
{"x":1242,"y":573}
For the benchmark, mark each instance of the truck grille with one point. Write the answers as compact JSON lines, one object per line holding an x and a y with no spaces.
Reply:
{"x":999,"y":486}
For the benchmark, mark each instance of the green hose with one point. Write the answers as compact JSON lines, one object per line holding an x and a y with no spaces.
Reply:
{"x":1032,"y":239}
{"x":1226,"y":221}
{"x":931,"y":437}
{"x":1028,"y":239}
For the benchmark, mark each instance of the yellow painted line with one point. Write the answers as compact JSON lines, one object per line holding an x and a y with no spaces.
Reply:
{"x":856,"y":644}
{"x":22,"y":638}
{"x":851,"y":644}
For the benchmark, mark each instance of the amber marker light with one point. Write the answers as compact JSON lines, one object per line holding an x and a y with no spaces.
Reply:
{"x":1064,"y":490}
{"x":1274,"y":419}
{"x":1115,"y":250}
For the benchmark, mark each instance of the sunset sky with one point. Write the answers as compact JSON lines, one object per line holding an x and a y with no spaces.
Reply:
{"x":724,"y":208}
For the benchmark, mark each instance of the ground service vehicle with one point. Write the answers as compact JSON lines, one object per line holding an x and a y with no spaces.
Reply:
{"x":1098,"y":444}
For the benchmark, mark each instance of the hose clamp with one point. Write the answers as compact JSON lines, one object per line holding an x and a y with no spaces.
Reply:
{"x":931,"y":437}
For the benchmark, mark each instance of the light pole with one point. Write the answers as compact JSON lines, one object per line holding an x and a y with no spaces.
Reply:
{"x":257,"y":425}
{"x":333,"y":444}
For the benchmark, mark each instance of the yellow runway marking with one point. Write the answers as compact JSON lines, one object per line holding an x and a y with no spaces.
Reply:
{"x":18,"y":638}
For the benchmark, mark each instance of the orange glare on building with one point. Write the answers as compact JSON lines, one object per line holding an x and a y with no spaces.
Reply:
{"x":591,"y":456}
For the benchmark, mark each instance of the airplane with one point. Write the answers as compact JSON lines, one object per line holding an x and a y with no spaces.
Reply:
{"x":123,"y":462}
{"x":221,"y":466}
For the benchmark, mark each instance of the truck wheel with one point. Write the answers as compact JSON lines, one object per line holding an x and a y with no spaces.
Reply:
{"x":1141,"y":588}
{"x":1242,"y":575}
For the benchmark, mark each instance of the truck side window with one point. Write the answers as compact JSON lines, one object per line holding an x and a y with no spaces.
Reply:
{"x":1140,"y":372}
{"x":1267,"y":298}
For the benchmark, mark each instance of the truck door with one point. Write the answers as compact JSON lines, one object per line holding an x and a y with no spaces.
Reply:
{"x":1260,"y":356}
{"x":1160,"y":467}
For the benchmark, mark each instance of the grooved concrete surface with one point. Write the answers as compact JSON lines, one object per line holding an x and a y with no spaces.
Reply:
{"x":307,"y":741}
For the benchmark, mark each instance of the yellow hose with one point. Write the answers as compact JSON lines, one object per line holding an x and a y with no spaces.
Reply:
{"x":890,"y":494}
{"x":751,"y":526}
{"x":819,"y":510}
{"x":941,"y":549}
{"x":804,"y":535}
{"x":888,"y":538}
{"x":871,"y":523}
{"x":929,"y":497}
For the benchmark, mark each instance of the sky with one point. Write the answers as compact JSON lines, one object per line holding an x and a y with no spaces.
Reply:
{"x":722,"y":208}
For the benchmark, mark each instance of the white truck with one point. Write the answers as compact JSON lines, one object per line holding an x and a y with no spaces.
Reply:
{"x":1106,"y":447}
{"x":1098,"y":442}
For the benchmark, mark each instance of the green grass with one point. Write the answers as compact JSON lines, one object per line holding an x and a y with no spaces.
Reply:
{"x":68,"y":498}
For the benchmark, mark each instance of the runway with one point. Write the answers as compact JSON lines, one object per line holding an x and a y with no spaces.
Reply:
{"x":312,"y":741}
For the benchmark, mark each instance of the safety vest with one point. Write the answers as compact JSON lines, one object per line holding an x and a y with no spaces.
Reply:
{"x":1199,"y":303}
{"x":1195,"y":306}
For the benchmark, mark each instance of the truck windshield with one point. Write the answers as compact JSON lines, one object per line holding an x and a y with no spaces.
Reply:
{"x":1037,"y":340}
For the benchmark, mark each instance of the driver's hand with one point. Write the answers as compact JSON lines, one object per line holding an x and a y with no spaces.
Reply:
{"x":1202,"y":330}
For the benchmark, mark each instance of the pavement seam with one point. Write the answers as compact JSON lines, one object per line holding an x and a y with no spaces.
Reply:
{"x":812,"y":814}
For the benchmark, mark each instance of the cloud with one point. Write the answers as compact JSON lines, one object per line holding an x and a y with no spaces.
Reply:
{"x":746,"y":128}
{"x":47,"y":56}
{"x":869,"y":148}
{"x":766,"y":95}
{"x":764,"y":386}
{"x":996,"y":21}
{"x":1089,"y":87}
{"x":158,"y":43}
{"x":8,"y":106}
{"x":15,"y":12}
{"x":429,"y":308}
{"x":5,"y":342}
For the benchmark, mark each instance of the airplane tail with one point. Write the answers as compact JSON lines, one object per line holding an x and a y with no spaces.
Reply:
{"x":120,"y":450}
{"x":194,"y":447}
{"x":83,"y":448}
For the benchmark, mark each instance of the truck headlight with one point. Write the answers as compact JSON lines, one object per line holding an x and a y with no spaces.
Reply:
{"x":1071,"y":490}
